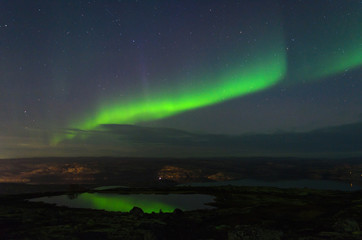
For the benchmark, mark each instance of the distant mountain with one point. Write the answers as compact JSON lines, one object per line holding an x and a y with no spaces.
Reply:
{"x":339,"y":141}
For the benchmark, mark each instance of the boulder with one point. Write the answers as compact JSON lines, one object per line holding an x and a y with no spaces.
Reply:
{"x":137,"y":212}
{"x":177,"y":212}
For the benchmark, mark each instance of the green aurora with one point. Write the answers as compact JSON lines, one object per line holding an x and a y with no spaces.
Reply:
{"x":325,"y":48}
{"x":250,"y":78}
{"x":235,"y":84}
{"x":272,"y":63}
{"x":338,"y":58}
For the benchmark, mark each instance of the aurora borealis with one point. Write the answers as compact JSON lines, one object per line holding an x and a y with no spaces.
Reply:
{"x":331,"y":43}
{"x":248,"y":80}
{"x":75,"y":75}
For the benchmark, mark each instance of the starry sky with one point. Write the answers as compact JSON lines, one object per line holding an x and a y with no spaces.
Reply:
{"x":179,"y":78}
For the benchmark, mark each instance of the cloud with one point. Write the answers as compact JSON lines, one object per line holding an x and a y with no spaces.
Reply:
{"x":139,"y":141}
{"x":139,"y":134}
{"x":345,"y":139}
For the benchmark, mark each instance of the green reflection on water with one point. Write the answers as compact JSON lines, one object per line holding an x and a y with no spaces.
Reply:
{"x":124,"y":203}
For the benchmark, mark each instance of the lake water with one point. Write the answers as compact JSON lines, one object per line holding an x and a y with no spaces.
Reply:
{"x":125,"y":202}
{"x":301,"y":183}
{"x":169,"y":202}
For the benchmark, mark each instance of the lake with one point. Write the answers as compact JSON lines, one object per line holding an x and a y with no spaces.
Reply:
{"x":300,"y":183}
{"x":169,"y":202}
{"x":125,"y":202}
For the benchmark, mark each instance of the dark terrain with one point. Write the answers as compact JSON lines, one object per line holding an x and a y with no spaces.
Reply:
{"x":141,"y":172}
{"x":240,"y":213}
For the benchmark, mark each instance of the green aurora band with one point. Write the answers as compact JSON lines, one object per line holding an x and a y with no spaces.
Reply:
{"x":337,"y":58}
{"x":265,"y":68}
{"x":249,"y":79}
{"x":322,"y":50}
{"x":262,"y":70}
{"x":172,"y":102}
{"x":319,"y":50}
{"x":240,"y":82}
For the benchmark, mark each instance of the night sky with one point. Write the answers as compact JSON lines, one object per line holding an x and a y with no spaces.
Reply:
{"x":180,"y":78}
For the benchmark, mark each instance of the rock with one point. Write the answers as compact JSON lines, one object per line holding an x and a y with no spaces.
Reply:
{"x":346,"y":226}
{"x":246,"y":232}
{"x":136,"y":211}
{"x":177,"y":212}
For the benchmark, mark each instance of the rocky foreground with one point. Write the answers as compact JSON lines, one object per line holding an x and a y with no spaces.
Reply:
{"x":241,"y":213}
